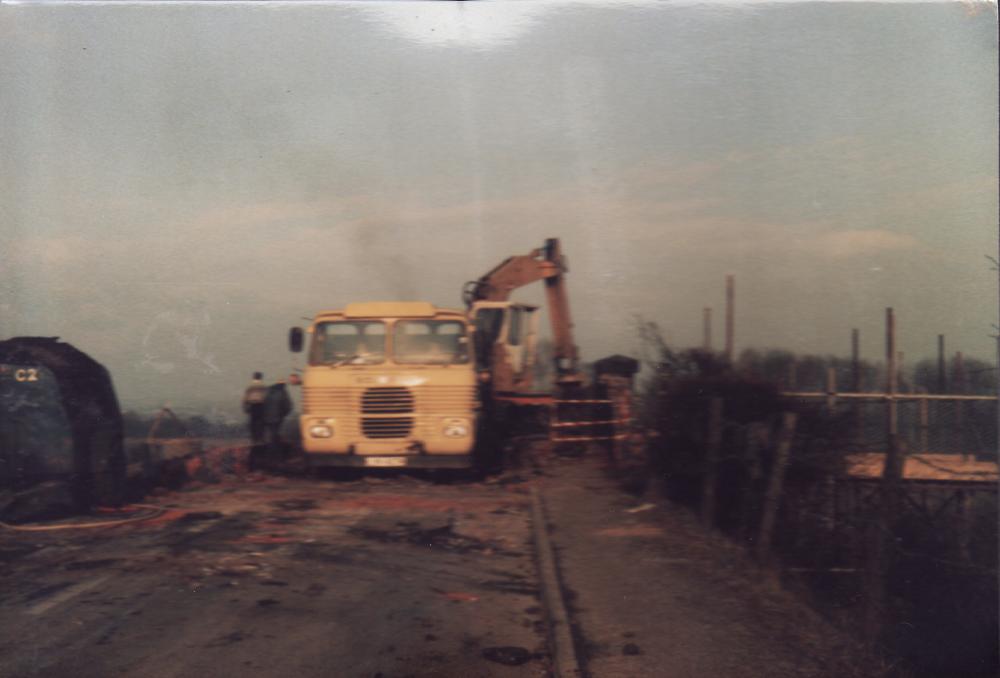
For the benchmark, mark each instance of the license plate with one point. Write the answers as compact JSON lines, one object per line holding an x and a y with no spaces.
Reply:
{"x":385,"y":461}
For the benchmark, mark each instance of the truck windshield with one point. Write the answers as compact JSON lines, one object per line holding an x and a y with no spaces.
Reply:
{"x":430,"y":342}
{"x":348,"y":343}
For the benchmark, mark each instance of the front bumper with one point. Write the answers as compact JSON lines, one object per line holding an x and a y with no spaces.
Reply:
{"x":318,"y":459}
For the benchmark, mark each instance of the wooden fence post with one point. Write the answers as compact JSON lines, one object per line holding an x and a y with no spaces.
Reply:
{"x":755,"y":441}
{"x":855,"y":361}
{"x":774,"y":485}
{"x":880,"y":529}
{"x":833,"y":508}
{"x":924,"y":426}
{"x":706,"y":320}
{"x":965,"y":516}
{"x":714,"y":442}
{"x":903,"y":384}
{"x":874,"y":581}
{"x":942,"y":379}
{"x":830,"y":508}
{"x":730,"y":318}
{"x":856,"y":407}
{"x":959,"y":386}
{"x":880,"y":541}
{"x":831,"y":389}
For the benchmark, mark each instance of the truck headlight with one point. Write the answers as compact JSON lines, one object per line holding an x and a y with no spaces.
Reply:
{"x":455,"y":428}
{"x":320,"y":431}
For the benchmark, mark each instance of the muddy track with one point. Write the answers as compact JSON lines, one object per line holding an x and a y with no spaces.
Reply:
{"x":278,"y":575}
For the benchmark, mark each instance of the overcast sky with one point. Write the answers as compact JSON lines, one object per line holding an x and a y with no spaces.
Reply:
{"x":182,"y":183}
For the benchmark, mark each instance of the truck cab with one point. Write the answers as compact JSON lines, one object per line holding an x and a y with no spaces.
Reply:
{"x":389,"y":384}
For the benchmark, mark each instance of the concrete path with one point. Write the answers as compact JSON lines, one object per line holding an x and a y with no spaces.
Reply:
{"x":651,"y":595}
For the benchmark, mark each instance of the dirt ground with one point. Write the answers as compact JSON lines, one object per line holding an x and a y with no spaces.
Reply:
{"x":398,"y":574}
{"x":276,"y":576}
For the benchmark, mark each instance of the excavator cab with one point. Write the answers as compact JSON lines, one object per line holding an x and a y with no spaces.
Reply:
{"x":505,"y":350}
{"x":505,"y":338}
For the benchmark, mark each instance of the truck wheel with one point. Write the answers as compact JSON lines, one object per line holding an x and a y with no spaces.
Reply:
{"x":489,"y":450}
{"x":346,"y":474}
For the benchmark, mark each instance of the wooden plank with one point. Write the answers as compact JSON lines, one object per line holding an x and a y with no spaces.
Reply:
{"x":712,"y":446}
{"x":772,"y":498}
{"x":925,"y":466}
{"x":887,"y":396}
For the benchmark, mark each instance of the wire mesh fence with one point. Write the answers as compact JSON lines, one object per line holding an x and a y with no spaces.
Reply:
{"x":938,"y":425}
{"x":919,"y":551}
{"x":885,"y":495}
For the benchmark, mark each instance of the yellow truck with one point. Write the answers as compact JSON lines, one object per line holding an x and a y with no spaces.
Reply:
{"x":389,"y":384}
{"x":412,"y":384}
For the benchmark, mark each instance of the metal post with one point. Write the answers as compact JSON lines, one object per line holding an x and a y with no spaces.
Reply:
{"x":831,"y":389}
{"x":706,"y":342}
{"x":730,"y":316}
{"x":892,"y":420}
{"x":924,"y":426}
{"x":942,"y":379}
{"x":856,"y":382}
{"x":894,"y":463}
{"x":960,"y":387}
{"x":893,"y":460}
{"x":855,"y":361}
{"x":879,"y":529}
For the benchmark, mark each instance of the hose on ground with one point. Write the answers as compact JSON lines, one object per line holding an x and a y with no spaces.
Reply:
{"x":157,"y":511}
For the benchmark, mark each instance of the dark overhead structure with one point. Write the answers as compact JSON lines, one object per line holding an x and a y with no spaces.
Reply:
{"x":59,"y":420}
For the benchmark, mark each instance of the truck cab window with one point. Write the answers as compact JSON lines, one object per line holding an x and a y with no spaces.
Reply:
{"x":348,"y":343}
{"x":432,"y":342}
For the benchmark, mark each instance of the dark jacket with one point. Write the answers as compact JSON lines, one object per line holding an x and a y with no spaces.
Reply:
{"x":277,"y":404}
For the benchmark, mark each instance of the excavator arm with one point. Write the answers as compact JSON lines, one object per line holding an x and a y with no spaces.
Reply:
{"x":543,"y":264}
{"x":577,"y":413}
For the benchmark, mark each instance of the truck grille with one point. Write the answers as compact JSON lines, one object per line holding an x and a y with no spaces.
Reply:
{"x":446,"y":399}
{"x":335,"y":401}
{"x":386,"y":427}
{"x":385,"y":412}
{"x":387,"y":400}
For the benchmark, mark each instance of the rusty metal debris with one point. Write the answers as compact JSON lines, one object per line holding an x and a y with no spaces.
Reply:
{"x":508,"y":656}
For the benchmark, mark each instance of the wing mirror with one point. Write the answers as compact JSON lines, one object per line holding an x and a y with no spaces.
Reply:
{"x":295,"y":339}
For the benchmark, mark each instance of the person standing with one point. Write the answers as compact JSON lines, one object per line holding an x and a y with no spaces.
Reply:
{"x":277,"y":405}
{"x":253,"y":405}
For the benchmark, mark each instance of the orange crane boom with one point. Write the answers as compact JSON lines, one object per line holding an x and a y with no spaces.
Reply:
{"x":546,"y":264}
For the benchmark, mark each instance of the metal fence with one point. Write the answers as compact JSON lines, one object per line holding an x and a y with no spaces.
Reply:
{"x":964,"y":425}
{"x":881,"y":548}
